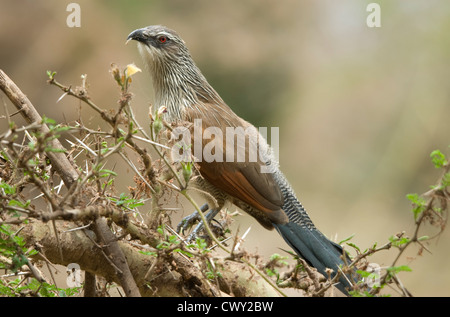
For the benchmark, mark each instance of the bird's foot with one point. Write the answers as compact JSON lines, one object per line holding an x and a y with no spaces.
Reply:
{"x":190,"y":220}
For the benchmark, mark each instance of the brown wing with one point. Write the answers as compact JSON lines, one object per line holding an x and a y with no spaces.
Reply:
{"x":241,"y":180}
{"x":237,"y":180}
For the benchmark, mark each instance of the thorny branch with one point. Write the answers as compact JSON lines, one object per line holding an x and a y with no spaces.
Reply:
{"x":68,"y":174}
{"x":143,"y":254}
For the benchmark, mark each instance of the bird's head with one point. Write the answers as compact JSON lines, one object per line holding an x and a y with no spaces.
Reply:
{"x":177,"y":81}
{"x":158,"y":44}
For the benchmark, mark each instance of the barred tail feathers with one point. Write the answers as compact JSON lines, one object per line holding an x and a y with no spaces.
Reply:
{"x":307,"y":241}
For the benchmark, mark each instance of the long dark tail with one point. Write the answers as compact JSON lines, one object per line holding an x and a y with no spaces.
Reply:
{"x":308,"y":242}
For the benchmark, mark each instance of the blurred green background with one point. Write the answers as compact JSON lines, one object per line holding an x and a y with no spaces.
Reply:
{"x":359,"y":109}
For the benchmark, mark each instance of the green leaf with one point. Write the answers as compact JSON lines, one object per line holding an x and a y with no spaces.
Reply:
{"x":125,"y":201}
{"x":173,"y":239}
{"x":60,"y":128}
{"x":46,"y":120}
{"x":148,"y":253}
{"x":438,"y":159}
{"x":133,"y":205}
{"x":397,"y":269}
{"x":353,"y":246}
{"x":18,"y":203}
{"x":157,"y":125}
{"x":50,"y":74}
{"x":33,"y":252}
{"x":270,"y":272}
{"x":106,"y":173}
{"x":366,"y":274}
{"x":397,"y":242}
{"x":186,"y":253}
{"x":9,"y":190}
{"x":160,"y":230}
{"x":4,"y":230}
{"x":187,"y":170}
{"x":347,"y":239}
{"x":419,"y":204}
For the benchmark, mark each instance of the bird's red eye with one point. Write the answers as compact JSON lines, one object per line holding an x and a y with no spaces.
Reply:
{"x":162,"y":39}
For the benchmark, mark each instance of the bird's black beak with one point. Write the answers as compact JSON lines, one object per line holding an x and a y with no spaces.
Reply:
{"x":137,"y":35}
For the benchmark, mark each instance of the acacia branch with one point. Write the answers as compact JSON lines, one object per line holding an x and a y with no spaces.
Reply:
{"x":59,"y":160}
{"x":172,"y":274}
{"x":66,"y":171}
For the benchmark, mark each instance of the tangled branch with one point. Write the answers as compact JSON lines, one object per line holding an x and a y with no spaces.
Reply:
{"x":59,"y":205}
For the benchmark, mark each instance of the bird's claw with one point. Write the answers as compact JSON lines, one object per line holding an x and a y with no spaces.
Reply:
{"x":190,"y":220}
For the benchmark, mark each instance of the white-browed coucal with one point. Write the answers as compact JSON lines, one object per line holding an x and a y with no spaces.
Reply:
{"x":255,"y":185}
